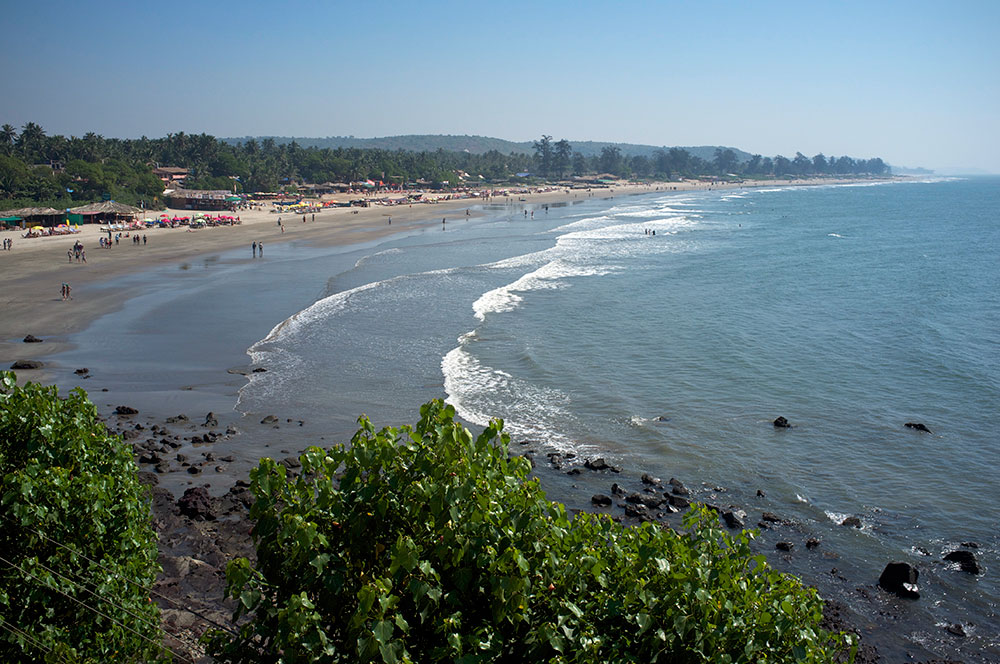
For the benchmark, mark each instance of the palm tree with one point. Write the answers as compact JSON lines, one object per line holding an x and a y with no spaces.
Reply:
{"x":7,"y":137}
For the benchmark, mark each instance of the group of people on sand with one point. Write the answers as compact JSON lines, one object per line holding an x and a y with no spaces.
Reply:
{"x":8,"y":244}
{"x":76,"y":252}
{"x":257,"y":248}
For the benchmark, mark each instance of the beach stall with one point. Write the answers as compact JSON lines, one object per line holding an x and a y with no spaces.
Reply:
{"x":106,"y":212}
{"x":36,"y":216}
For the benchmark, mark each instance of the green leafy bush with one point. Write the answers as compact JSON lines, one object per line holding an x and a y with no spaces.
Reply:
{"x":427,"y":545}
{"x":70,"y":494}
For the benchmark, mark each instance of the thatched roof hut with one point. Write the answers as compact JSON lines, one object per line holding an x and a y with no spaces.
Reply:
{"x":107,"y":208}
{"x":45,"y":216}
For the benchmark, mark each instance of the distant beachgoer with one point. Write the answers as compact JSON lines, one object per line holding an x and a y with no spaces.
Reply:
{"x":83,"y":255}
{"x":303,"y":219}
{"x":66,"y":292}
{"x":390,"y":221}
{"x":314,"y":216}
{"x":69,"y":255}
{"x":143,"y":239}
{"x":253,"y":248}
{"x":260,"y":249}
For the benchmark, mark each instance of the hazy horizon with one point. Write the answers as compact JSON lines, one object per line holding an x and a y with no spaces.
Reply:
{"x":914,"y":83}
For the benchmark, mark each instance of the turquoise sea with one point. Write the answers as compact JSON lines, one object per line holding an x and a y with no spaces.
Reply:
{"x":850,"y":310}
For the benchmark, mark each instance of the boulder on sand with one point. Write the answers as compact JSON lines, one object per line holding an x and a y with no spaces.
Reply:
{"x":197,"y":504}
{"x":32,"y":339}
{"x":26,"y":365}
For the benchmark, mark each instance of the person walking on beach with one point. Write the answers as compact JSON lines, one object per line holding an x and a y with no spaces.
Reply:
{"x":144,"y":240}
{"x":253,"y":248}
{"x":65,"y":292}
{"x":69,"y":255}
{"x":260,"y":249}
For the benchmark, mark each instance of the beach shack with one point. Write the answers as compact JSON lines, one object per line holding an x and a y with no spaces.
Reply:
{"x":32,"y":216}
{"x":104,"y":212}
{"x":199,"y":199}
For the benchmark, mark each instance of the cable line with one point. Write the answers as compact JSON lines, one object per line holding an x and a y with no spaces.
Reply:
{"x":93,"y":610}
{"x":18,"y":632}
{"x":224,"y":628}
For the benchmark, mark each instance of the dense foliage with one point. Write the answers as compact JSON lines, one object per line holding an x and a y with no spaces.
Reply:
{"x":37,"y":169}
{"x":76,"y":545}
{"x":425,"y":544}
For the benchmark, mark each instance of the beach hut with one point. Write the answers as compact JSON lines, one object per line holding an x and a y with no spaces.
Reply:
{"x":36,"y":216}
{"x":106,"y":212}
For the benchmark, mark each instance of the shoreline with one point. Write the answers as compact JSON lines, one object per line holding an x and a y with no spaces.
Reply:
{"x":361,"y":228}
{"x":34,"y":269}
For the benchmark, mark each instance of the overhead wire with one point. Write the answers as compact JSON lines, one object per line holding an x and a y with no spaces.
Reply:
{"x":93,"y":610}
{"x":19,"y":632}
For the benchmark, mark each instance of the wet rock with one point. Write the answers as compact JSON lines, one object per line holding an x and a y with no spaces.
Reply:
{"x":917,"y":426}
{"x":679,"y":502}
{"x":966,"y":561}
{"x":147,"y":478}
{"x":126,"y":410}
{"x":162,"y":467}
{"x":661,"y":418}
{"x":26,"y":365}
{"x":259,"y":370}
{"x":637,"y":512}
{"x":812,"y":543}
{"x":596,"y":464}
{"x":197,"y":504}
{"x":649,"y":479}
{"x":194,"y":470}
{"x":734,"y":518}
{"x":32,"y":339}
{"x":650,"y":501}
{"x":900,"y":579}
{"x":782,"y":423}
{"x":176,"y":419}
{"x":291,"y":462}
{"x":270,"y":419}
{"x":956,"y":629}
{"x":227,"y":459}
{"x":770,"y":517}
{"x":761,"y":494}
{"x":210,"y":420}
{"x":784,"y":546}
{"x":600,"y":500}
{"x":970,"y":545}
{"x":150,"y":457}
{"x":851,"y":522}
{"x":575,"y":471}
{"x":82,"y":372}
{"x":677,"y":487}
{"x":617,"y":490}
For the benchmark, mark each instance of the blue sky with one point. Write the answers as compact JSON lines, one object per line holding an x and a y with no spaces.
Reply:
{"x":916,"y":83}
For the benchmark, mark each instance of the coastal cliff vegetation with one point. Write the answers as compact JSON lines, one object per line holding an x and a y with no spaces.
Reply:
{"x":37,"y":169}
{"x":410,"y":544}
{"x":77,"y":551}
{"x":426,"y":544}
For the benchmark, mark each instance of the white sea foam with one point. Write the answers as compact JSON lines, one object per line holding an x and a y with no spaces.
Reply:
{"x":377,"y":255}
{"x":479,"y":392}
{"x":834,"y":235}
{"x":550,"y":276}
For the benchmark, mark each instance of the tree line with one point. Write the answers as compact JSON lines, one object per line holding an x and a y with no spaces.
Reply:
{"x":58,"y":171}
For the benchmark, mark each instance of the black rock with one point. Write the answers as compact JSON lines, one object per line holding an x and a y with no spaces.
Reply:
{"x":26,"y":365}
{"x":126,"y":410}
{"x":210,"y":420}
{"x":651,"y":501}
{"x":147,"y":478}
{"x":194,"y":470}
{"x":270,"y":419}
{"x":197,"y":504}
{"x":761,"y":494}
{"x":900,"y":579}
{"x":812,"y":543}
{"x":32,"y":339}
{"x":679,"y":501}
{"x":649,"y":479}
{"x":82,"y":372}
{"x":600,"y":500}
{"x":970,"y":545}
{"x":771,"y":517}
{"x":677,"y":487}
{"x":597,"y":464}
{"x":956,"y":629}
{"x":575,"y":471}
{"x":259,"y":370}
{"x":917,"y":426}
{"x":150,"y":457}
{"x":784,"y":546}
{"x":734,"y":518}
{"x":177,"y":418}
{"x":617,"y":490}
{"x":966,"y":561}
{"x":782,"y":423}
{"x":851,"y":521}
{"x":637,"y":512}
{"x":291,"y":462}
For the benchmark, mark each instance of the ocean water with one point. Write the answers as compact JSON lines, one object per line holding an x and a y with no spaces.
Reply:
{"x":849,"y":310}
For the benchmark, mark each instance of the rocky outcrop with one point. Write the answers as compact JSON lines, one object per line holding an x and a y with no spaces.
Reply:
{"x":966,"y":561}
{"x":197,"y":504}
{"x":26,"y":365}
{"x":917,"y":426}
{"x":782,"y":423}
{"x":900,"y":579}
{"x":600,"y":500}
{"x":126,"y":410}
{"x":32,"y":339}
